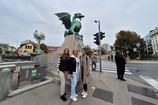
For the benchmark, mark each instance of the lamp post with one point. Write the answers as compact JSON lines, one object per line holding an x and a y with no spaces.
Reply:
{"x":4,"y":46}
{"x":138,"y":45}
{"x":99,"y":44}
{"x":39,"y":38}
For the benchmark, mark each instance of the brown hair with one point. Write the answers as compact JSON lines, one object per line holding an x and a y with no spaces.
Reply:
{"x":74,"y":50}
{"x":63,"y":55}
{"x":118,"y":52}
{"x":84,"y":49}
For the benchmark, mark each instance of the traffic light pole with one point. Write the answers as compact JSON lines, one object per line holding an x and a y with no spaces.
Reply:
{"x":99,"y":46}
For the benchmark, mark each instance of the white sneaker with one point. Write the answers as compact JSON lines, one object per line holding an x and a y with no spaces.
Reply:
{"x":76,"y":95}
{"x":85,"y":95}
{"x":73,"y":98}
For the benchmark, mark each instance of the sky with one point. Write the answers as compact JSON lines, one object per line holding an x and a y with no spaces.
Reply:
{"x":20,"y":18}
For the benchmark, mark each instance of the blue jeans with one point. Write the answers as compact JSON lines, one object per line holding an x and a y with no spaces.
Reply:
{"x":73,"y":84}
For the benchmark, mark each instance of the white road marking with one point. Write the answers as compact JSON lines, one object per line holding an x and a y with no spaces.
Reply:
{"x":150,"y":81}
{"x":111,"y":67}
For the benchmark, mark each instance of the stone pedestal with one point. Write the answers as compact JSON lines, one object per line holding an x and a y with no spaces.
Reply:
{"x":72,"y":41}
{"x":51,"y":60}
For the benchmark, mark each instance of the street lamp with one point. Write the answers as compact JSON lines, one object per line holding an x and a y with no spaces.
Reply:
{"x":4,"y":46}
{"x":99,"y":43}
{"x":138,"y":45}
{"x":39,"y":38}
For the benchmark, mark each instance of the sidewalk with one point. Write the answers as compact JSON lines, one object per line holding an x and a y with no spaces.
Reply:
{"x":103,"y":89}
{"x":143,"y":61}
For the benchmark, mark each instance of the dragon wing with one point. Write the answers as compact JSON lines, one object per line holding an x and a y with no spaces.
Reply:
{"x":65,"y":18}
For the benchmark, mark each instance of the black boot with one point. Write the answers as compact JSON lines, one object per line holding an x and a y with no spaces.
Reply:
{"x":123,"y":79}
{"x":64,"y":93}
{"x":63,"y":98}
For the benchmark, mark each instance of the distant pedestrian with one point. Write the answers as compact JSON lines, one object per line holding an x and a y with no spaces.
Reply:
{"x":111,"y":57}
{"x":108,"y":57}
{"x":63,"y":72}
{"x":94,"y":61}
{"x":84,"y":72}
{"x":74,"y":71}
{"x":120,"y":63}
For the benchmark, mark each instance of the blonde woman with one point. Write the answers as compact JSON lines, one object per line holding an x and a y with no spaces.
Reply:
{"x":74,"y":71}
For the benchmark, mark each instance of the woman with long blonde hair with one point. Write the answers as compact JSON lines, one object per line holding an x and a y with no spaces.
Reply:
{"x":75,"y":64}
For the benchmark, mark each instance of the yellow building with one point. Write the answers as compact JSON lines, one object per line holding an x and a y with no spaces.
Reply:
{"x":26,"y":47}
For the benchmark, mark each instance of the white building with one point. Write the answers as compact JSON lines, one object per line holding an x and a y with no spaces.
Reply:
{"x":154,"y":40}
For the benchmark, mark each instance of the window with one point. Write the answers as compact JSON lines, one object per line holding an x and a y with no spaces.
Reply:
{"x":25,"y":47}
{"x":30,"y":47}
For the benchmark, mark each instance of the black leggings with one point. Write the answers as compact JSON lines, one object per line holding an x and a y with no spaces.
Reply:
{"x":82,"y":76}
{"x":85,"y":87}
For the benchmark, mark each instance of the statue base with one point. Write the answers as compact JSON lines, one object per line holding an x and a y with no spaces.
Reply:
{"x":71,"y":42}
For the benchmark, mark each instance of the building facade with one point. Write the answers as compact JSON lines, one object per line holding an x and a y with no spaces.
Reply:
{"x":11,"y":48}
{"x":26,"y":47}
{"x":154,"y":40}
{"x":106,"y":47}
{"x":52,"y":49}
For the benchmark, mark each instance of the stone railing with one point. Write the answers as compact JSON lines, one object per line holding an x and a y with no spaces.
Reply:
{"x":15,"y":74}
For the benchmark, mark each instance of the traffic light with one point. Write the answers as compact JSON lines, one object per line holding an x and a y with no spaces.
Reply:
{"x":117,"y":47}
{"x":111,"y":48}
{"x":102,"y":35}
{"x":96,"y":38}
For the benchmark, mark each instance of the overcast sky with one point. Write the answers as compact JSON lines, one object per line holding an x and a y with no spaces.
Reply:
{"x":20,"y":18}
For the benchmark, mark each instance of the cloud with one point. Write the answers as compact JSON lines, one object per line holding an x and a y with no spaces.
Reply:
{"x":19,"y":19}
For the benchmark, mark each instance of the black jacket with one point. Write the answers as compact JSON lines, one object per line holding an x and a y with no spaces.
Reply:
{"x":64,"y":64}
{"x":72,"y":65}
{"x":120,"y":62}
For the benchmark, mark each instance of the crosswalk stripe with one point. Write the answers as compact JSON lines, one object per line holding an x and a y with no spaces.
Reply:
{"x":150,"y":81}
{"x":111,"y":69}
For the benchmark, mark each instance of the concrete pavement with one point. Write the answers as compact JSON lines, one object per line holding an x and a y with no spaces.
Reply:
{"x":143,"y":61}
{"x":103,"y":89}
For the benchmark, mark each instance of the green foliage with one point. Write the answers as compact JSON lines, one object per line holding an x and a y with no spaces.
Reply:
{"x":88,"y":50}
{"x":44,"y":48}
{"x":0,"y":50}
{"x":103,"y":51}
{"x":127,"y":40}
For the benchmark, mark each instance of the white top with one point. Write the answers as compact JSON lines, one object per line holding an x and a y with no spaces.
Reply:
{"x":77,"y":63}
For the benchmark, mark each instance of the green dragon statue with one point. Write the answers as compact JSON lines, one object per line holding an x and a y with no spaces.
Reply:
{"x":74,"y":26}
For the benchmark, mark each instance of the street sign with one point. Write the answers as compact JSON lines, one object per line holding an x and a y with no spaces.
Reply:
{"x":134,"y":49}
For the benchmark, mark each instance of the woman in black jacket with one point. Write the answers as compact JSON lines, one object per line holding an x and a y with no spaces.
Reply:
{"x":120,"y":63}
{"x":63,"y":71}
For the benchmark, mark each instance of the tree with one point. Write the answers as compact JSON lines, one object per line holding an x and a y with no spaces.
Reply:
{"x":88,"y":50}
{"x":103,"y":51}
{"x":44,"y":48}
{"x":0,"y":50}
{"x":127,"y":40}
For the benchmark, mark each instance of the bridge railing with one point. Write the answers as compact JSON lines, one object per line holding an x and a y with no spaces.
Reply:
{"x":19,"y":74}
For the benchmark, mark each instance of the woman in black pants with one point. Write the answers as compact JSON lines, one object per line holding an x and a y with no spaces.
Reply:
{"x":120,"y":63}
{"x":84,"y":72}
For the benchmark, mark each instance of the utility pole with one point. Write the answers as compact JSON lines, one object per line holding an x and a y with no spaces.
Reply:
{"x":99,"y":37}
